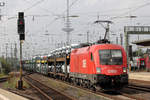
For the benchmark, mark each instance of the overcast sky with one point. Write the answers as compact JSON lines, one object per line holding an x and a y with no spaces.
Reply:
{"x":48,"y":17}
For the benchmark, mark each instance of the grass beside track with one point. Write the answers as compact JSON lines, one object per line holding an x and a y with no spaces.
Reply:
{"x":12,"y":83}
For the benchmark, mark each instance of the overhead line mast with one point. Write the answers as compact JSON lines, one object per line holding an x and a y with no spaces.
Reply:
{"x":67,"y":29}
{"x":68,"y":22}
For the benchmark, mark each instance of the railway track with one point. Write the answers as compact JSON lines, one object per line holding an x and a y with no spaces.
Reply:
{"x":140,"y":88}
{"x":136,"y":89}
{"x":117,"y":96}
{"x":132,"y":97}
{"x":47,"y":92}
{"x":138,"y":81}
{"x":114,"y":95}
{"x":3,"y":79}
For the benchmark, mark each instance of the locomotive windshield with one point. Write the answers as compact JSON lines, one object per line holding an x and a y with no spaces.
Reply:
{"x":110,"y":57}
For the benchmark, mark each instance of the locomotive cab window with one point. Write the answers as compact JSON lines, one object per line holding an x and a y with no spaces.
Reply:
{"x":91,"y":57}
{"x":110,"y":57}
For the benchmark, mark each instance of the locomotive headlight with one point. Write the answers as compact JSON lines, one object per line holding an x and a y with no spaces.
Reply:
{"x":98,"y":70}
{"x":124,"y":69}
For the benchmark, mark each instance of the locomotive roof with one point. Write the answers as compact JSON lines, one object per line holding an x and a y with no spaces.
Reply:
{"x":99,"y":46}
{"x":107,"y":46}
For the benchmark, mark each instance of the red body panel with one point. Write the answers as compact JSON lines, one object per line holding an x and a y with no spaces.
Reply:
{"x":81,"y":60}
{"x":147,"y":62}
{"x":139,"y":60}
{"x":146,"y":59}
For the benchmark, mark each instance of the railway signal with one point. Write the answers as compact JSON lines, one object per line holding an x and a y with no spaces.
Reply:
{"x":21,"y":32}
{"x":21,"y":25}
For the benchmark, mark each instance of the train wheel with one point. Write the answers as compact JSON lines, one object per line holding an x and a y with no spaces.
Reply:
{"x":71,"y":81}
{"x":75,"y":82}
{"x":66,"y":79}
{"x":88,"y":85}
{"x":93,"y":88}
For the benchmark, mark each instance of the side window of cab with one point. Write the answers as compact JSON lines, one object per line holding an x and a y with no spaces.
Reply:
{"x":92,"y":57}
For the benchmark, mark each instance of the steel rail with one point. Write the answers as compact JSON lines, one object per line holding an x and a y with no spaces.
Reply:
{"x":130,"y":96}
{"x":3,"y":79}
{"x":37,"y":88}
{"x":141,"y":88}
{"x":50,"y":88}
{"x":99,"y":93}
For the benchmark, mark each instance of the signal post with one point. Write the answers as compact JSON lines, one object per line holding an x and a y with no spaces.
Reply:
{"x":21,"y":32}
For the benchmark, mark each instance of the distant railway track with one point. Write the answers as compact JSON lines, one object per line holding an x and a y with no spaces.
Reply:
{"x":140,"y":88}
{"x":130,"y":96}
{"x":47,"y":92}
{"x":3,"y":79}
{"x":139,"y":81}
{"x":117,"y":96}
{"x":135,"y":88}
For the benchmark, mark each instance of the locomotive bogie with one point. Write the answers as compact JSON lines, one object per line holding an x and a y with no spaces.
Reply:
{"x":112,"y":82}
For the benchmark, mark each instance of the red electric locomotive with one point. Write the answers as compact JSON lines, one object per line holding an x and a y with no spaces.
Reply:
{"x":101,"y":65}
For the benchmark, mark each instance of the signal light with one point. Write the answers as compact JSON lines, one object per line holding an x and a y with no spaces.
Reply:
{"x":20,"y":22}
{"x":21,"y":25}
{"x":21,"y":15}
